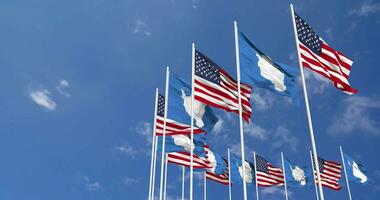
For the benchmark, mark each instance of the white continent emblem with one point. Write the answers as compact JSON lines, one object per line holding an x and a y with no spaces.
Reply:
{"x":183,"y":141}
{"x":357,"y":173}
{"x":248,"y":172}
{"x":199,"y":109}
{"x":298,"y":175}
{"x":268,"y":71}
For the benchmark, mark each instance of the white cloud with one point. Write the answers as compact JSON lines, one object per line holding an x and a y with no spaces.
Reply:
{"x":316,"y":83}
{"x":61,"y":86}
{"x":366,"y":8}
{"x":127,"y":149}
{"x":274,"y":190}
{"x":41,"y":97}
{"x":283,"y":137}
{"x":146,"y":130}
{"x":130,"y":181}
{"x":218,"y":126}
{"x":256,"y":131}
{"x":91,"y":186}
{"x":355,"y":114}
{"x":262,"y":99}
{"x":141,"y":27}
{"x":329,"y":34}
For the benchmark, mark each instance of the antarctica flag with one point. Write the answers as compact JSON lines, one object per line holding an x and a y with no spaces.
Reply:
{"x":296,"y":175}
{"x":258,"y":69}
{"x":355,"y":171}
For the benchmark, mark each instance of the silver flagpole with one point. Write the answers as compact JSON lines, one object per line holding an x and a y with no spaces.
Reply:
{"x":345,"y":172}
{"x":183,"y":182}
{"x":313,"y":145}
{"x":164,"y":132}
{"x":257,"y":185}
{"x":166,"y":175}
{"x":204,"y":186}
{"x":153,"y":147}
{"x":283,"y":169}
{"x":229,"y":175}
{"x":240,"y":108}
{"x":154,"y":167}
{"x":315,"y":183}
{"x":192,"y":120}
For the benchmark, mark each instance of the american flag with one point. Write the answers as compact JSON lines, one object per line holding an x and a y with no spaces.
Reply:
{"x":317,"y":55}
{"x":330,"y":173}
{"x":267,"y":175}
{"x":220,"y":178}
{"x":172,"y":127}
{"x":215,"y":87}
{"x":184,"y":159}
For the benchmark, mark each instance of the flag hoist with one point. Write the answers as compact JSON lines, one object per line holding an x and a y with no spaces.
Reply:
{"x":164,"y":133}
{"x":240,"y":108}
{"x":310,"y":123}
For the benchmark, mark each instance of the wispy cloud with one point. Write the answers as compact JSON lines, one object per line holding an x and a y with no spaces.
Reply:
{"x":329,"y":34}
{"x":256,"y":131}
{"x":262,"y":99}
{"x":127,"y":149}
{"x":274,"y":190}
{"x":366,"y":8}
{"x":62,"y":85}
{"x":283,"y":137}
{"x":318,"y":84}
{"x":91,"y":186}
{"x":130,"y":181}
{"x":218,"y":126}
{"x":355,"y":114}
{"x":141,"y":27}
{"x":42,"y":98}
{"x":145,"y":129}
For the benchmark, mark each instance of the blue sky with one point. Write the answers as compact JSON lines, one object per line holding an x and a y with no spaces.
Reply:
{"x":78,"y":80}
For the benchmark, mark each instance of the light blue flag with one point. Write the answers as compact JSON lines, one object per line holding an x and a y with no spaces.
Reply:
{"x":297,"y":176}
{"x":237,"y":171}
{"x":219,"y":165}
{"x":179,"y":106}
{"x":355,"y":171}
{"x":181,"y":143}
{"x":258,"y":69}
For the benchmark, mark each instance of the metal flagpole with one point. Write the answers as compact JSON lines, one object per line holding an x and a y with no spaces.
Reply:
{"x":240,"y":108}
{"x":166,"y":175}
{"x":164,"y":132}
{"x":313,"y":145}
{"x":153,"y":147}
{"x":183,"y":182}
{"x":192,"y":120}
{"x":204,"y":186}
{"x":283,"y":169}
{"x":345,"y":172}
{"x":229,"y":175}
{"x":257,"y":185}
{"x":315,"y":183}
{"x":154,"y":167}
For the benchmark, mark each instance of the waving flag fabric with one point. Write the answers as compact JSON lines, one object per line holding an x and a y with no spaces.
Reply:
{"x":219,"y":170}
{"x":317,"y":55}
{"x":172,"y":127}
{"x":267,"y":175}
{"x":182,"y":143}
{"x":355,"y":171}
{"x":221,"y":178}
{"x":330,"y":173}
{"x":179,"y":107}
{"x":258,"y":69}
{"x":296,"y":175}
{"x":237,"y":170}
{"x":184,"y":158}
{"x":215,"y":87}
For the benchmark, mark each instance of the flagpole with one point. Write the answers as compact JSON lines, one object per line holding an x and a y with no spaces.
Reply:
{"x":192,"y":119}
{"x":313,"y":145}
{"x":164,"y":132}
{"x":240,"y":108}
{"x":153,"y":146}
{"x":204,"y":186}
{"x":166,"y":174}
{"x":183,"y":182}
{"x":229,"y":175}
{"x":345,"y":172}
{"x":257,"y":186}
{"x":154,"y":167}
{"x":315,"y":182}
{"x":283,"y":168}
